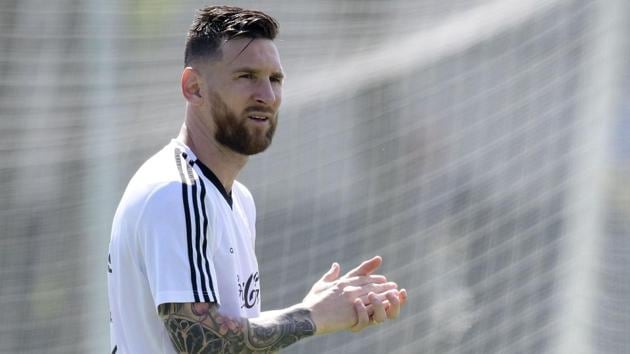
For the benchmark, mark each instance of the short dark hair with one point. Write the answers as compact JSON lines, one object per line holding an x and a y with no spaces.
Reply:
{"x":214,"y":24}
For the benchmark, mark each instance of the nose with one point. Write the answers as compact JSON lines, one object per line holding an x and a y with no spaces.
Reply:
{"x":265,"y":93}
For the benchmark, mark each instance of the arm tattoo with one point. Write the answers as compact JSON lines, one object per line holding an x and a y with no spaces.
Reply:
{"x":199,"y":328}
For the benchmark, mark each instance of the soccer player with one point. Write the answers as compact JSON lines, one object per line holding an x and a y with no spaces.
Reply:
{"x":183,"y":275}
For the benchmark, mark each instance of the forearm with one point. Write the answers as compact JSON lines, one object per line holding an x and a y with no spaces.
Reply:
{"x":199,"y":328}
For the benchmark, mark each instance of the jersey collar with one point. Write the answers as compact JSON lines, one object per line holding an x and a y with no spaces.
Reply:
{"x":215,"y":180}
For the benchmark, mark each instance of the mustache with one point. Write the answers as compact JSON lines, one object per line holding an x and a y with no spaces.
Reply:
{"x":262,"y":109}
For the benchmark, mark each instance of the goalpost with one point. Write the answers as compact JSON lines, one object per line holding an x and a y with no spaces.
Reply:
{"x":583,"y":260}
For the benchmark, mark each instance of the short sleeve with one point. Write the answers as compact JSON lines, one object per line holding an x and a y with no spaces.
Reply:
{"x":174,"y":238}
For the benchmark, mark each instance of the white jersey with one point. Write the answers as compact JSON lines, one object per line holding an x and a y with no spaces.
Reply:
{"x":179,"y":237}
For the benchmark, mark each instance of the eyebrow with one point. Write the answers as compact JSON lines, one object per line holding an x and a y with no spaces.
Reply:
{"x":246,"y":69}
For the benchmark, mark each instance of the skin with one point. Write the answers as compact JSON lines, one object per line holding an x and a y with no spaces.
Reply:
{"x":333,"y":304}
{"x":246,"y":79}
{"x":224,"y":96}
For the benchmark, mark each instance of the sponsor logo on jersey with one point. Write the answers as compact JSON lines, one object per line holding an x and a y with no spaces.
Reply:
{"x":249,"y":290}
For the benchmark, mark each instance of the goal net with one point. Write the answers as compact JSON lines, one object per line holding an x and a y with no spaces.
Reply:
{"x":463,"y":141}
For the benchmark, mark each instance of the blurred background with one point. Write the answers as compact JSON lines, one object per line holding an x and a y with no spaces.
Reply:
{"x":482,"y":147}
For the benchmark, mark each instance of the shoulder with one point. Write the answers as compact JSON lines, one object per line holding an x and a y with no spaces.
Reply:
{"x":245,"y":198}
{"x":156,"y":187}
{"x":239,"y":189}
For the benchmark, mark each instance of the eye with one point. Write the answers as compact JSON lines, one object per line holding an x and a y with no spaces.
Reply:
{"x":248,"y":76}
{"x":276,"y":79}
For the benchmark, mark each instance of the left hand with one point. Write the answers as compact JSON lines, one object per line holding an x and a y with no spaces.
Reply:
{"x":375,"y":301}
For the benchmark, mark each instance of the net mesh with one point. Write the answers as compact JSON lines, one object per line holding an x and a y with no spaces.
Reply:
{"x":440,"y":135}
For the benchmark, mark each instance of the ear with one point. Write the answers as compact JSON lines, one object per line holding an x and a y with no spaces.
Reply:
{"x":191,"y":86}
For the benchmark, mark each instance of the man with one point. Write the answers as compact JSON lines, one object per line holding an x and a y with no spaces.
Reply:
{"x":183,"y":275}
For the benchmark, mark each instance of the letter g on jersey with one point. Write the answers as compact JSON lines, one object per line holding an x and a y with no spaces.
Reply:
{"x":249,"y":291}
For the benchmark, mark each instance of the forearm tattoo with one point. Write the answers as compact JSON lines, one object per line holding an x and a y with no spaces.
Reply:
{"x":199,"y":328}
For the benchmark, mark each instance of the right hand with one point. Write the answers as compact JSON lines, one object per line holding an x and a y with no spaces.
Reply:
{"x":342,"y":303}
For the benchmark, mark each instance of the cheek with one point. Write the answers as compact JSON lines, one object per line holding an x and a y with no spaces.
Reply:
{"x":232,"y":92}
{"x":278,"y":95}
{"x":234,"y":102}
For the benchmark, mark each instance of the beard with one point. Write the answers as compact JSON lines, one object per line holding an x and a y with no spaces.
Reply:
{"x":232,"y":130}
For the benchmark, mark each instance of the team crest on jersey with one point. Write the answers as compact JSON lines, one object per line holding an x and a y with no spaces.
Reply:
{"x":249,"y":290}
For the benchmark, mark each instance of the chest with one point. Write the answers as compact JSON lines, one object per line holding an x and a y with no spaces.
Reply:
{"x":235,"y":262}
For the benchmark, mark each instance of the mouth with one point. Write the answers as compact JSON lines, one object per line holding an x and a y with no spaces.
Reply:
{"x":259,"y":118}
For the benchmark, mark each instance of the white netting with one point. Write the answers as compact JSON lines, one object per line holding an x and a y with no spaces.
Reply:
{"x":442,"y":135}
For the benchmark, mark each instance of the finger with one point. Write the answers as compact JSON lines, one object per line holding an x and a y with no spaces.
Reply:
{"x":378,"y":307}
{"x":383,"y":297}
{"x":380,"y":292}
{"x":363,"y":291}
{"x":362,"y":280}
{"x":403,"y":296}
{"x":333,"y":273}
{"x":393,"y":310}
{"x":370,"y":307}
{"x":367,"y":302}
{"x":367,"y":267}
{"x":363,"y":319}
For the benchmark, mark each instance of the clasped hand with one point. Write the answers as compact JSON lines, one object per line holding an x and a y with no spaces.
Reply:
{"x":355,"y":300}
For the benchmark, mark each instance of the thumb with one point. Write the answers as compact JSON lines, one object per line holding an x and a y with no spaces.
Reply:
{"x":367,"y":267}
{"x":333,"y":273}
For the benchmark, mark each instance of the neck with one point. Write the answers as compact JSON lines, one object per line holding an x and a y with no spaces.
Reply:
{"x":225,"y":163}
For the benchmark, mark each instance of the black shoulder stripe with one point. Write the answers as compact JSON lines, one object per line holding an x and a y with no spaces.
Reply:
{"x":200,"y":255}
{"x":197,"y":235}
{"x":193,"y":273}
{"x":205,"y":238}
